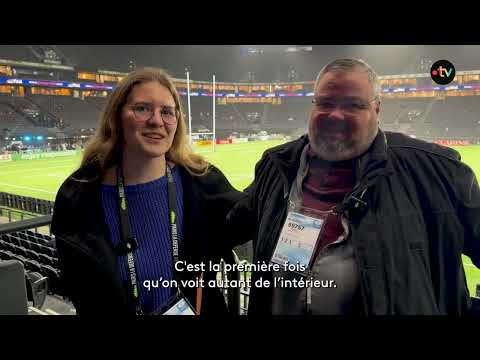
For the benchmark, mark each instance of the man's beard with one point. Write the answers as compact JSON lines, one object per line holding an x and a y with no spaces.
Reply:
{"x":346,"y":147}
{"x":334,"y":147}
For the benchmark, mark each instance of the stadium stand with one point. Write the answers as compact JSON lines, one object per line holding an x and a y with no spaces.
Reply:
{"x":428,"y":118}
{"x":12,"y":287}
{"x":36,"y":252}
{"x":17,"y":52}
{"x":75,"y":112}
{"x":9,"y":118}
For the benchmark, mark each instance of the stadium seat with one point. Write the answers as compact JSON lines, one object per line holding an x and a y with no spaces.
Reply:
{"x":53,"y":278}
{"x":5,"y":237}
{"x":21,"y":251}
{"x":36,"y":240}
{"x":5,"y":255}
{"x":48,"y":251}
{"x":12,"y":287}
{"x":26,"y":244}
{"x":37,"y":288}
{"x":9,"y":246}
{"x":32,"y":255}
{"x":33,"y":265}
{"x":14,"y":240}
{"x":46,"y":260}
{"x":36,"y":247}
{"x":15,"y":249}
{"x":43,"y":249}
{"x":31,"y":238}
{"x":44,"y":242}
{"x":18,"y":257}
{"x":47,"y":237}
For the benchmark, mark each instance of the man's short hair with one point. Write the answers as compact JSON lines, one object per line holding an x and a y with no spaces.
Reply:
{"x":349,"y":65}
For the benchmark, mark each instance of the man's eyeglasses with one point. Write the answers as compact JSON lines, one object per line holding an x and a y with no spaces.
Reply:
{"x":347,"y":106}
{"x":144,"y":112}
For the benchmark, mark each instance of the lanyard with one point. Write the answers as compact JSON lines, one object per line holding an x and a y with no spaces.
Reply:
{"x":129,"y":243}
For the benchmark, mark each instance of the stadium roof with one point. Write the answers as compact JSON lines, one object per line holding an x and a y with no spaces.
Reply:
{"x":265,"y":63}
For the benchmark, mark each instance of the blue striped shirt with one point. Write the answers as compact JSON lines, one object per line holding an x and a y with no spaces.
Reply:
{"x":148,"y":219}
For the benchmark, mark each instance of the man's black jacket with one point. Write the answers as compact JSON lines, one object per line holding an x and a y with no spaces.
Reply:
{"x":422,"y":212}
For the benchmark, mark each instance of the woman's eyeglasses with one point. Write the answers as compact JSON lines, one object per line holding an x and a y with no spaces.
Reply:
{"x":144,"y":112}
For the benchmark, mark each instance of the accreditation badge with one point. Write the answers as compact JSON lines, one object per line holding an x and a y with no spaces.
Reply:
{"x":177,"y":305}
{"x":181,"y":307}
{"x":299,"y":236}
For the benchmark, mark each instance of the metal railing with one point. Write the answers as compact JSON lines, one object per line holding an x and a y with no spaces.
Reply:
{"x":237,"y":293}
{"x":33,"y":223}
{"x":26,"y":203}
{"x":14,"y":215}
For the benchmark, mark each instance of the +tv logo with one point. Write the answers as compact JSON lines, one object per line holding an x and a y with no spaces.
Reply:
{"x":442,"y":72}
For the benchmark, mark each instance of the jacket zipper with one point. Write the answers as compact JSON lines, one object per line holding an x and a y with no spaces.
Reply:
{"x":345,"y":221}
{"x":361,"y":271}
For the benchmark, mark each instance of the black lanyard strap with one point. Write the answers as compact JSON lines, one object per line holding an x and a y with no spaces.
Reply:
{"x":172,"y":207}
{"x":129,"y":243}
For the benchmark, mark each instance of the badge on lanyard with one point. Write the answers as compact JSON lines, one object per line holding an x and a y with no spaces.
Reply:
{"x":181,"y":307}
{"x":299,"y":236}
{"x":178,"y":305}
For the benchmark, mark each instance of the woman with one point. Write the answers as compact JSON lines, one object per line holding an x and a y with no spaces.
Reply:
{"x":140,"y":203}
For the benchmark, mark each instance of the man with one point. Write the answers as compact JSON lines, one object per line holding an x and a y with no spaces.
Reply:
{"x":379,"y":219}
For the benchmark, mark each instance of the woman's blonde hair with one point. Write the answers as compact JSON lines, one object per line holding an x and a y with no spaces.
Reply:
{"x":105,"y":147}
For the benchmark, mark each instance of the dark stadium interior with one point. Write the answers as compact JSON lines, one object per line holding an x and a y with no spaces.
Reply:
{"x":269,"y":63}
{"x":67,"y":120}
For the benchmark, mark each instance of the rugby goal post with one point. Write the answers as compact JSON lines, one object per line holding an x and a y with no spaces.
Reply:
{"x":201,"y":134}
